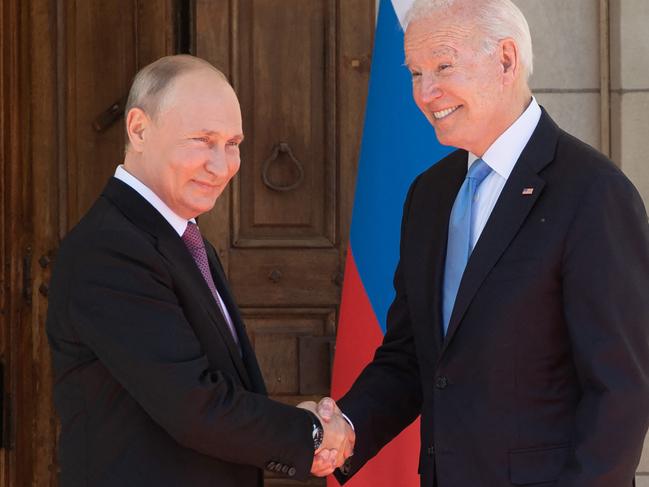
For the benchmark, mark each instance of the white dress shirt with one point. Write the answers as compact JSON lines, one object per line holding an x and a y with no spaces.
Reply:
{"x":178,"y":223}
{"x":501,"y":157}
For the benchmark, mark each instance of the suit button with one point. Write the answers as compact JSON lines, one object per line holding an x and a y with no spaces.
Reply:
{"x":430,"y":451}
{"x":291,"y":472}
{"x":442,"y":382}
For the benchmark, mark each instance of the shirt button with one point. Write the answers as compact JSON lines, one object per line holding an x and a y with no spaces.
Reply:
{"x":442,"y":382}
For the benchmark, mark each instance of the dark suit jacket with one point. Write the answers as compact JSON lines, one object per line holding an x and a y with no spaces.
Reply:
{"x":543,"y":378}
{"x":150,"y":386}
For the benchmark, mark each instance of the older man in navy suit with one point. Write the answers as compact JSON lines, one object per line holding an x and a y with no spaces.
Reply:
{"x":520,"y":327}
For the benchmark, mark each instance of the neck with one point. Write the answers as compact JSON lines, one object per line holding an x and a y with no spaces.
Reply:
{"x":131,"y":165}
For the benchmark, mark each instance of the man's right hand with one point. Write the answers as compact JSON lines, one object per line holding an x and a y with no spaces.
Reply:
{"x":339,"y":438}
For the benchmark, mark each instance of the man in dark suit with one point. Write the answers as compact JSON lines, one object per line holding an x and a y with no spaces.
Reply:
{"x":520,"y":326}
{"x":156,"y":383}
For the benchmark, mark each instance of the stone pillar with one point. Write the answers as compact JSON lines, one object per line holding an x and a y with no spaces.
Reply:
{"x":566,"y":79}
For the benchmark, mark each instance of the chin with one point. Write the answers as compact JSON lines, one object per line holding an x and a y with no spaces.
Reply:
{"x":204,"y":208}
{"x":444,"y":139}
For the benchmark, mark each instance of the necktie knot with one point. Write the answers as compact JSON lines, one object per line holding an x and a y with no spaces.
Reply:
{"x":478,"y":171}
{"x":192,"y":237}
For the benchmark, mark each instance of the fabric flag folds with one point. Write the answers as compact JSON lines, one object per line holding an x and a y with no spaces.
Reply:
{"x":398,"y":143}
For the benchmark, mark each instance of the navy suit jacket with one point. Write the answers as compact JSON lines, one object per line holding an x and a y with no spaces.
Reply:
{"x":150,"y":386}
{"x":543,"y":377}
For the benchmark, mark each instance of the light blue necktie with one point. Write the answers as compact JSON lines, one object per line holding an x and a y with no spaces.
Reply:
{"x":459,"y":237}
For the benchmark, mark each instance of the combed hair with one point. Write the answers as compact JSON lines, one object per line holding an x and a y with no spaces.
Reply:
{"x":498,"y":19}
{"x":154,"y":81}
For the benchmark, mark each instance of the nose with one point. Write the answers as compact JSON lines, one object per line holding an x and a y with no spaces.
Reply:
{"x":217,"y":164}
{"x":428,"y":89}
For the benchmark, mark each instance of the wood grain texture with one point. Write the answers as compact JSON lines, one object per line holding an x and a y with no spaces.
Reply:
{"x":289,"y":343}
{"x":34,"y":393}
{"x":19,"y":251}
{"x":286,"y":84}
{"x":356,"y":20}
{"x":101,"y":64}
{"x":284,"y":277}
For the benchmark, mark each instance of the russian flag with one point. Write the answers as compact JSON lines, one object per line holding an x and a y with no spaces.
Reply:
{"x":398,"y":144}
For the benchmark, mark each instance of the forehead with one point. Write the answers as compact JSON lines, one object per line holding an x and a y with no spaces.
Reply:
{"x":203,"y":101}
{"x":437,"y":36}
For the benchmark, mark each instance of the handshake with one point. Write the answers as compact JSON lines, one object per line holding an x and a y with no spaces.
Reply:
{"x":338,"y":439}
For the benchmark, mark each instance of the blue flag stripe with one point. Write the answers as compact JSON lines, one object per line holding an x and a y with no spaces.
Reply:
{"x":398,"y":144}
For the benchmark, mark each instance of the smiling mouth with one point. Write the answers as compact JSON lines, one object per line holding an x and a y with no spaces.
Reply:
{"x":205,"y":185}
{"x":444,"y":113}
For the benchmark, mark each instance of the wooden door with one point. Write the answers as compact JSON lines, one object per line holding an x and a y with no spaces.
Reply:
{"x":300,"y":68}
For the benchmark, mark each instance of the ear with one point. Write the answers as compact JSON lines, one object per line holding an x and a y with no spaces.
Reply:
{"x":137,"y":123}
{"x":509,"y":60}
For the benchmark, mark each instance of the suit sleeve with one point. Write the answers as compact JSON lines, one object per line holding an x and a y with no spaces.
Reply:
{"x":386,"y":397}
{"x":605,"y":285}
{"x":121,"y":304}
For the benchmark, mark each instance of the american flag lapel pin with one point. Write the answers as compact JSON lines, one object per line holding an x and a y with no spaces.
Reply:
{"x":528,"y":191}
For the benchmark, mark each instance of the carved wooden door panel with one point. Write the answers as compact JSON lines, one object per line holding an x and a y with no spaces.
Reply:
{"x":300,"y":68}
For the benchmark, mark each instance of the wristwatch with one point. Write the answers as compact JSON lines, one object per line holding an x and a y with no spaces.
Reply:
{"x":318,"y":431}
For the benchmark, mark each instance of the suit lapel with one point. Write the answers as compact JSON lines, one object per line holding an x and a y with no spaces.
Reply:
{"x":178,"y":256}
{"x":169,"y":244}
{"x":249,"y":359}
{"x":507,"y":217}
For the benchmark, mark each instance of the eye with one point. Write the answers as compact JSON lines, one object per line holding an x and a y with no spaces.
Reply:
{"x":415,"y":74}
{"x":204,"y":140}
{"x":444,"y":67}
{"x":234,"y":143}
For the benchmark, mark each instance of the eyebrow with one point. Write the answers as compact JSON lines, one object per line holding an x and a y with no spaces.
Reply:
{"x":442,"y":51}
{"x":238,"y":137}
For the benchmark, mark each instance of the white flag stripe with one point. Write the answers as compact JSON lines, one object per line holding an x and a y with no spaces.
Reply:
{"x":401,"y":8}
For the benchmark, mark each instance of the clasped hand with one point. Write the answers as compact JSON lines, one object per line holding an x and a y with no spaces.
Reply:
{"x":338,"y":442}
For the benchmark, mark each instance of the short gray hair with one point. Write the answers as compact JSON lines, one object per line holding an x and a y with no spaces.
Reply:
{"x":153,"y":82}
{"x":498,"y":19}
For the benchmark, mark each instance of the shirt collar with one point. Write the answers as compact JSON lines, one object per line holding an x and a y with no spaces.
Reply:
{"x":502,"y":155}
{"x":178,"y":223}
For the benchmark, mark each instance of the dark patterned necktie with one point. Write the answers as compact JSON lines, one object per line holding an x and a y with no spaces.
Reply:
{"x":194,"y":243}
